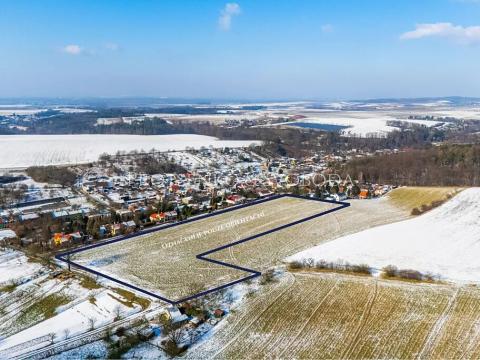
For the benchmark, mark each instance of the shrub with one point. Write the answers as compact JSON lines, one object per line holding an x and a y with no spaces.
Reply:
{"x":116,"y":350}
{"x":410,"y":274}
{"x":267,"y":277}
{"x":362,"y":269}
{"x":120,"y":331}
{"x":416,"y":211}
{"x":390,"y":271}
{"x":52,"y":174}
{"x":331,"y":266}
{"x":295,"y":265}
{"x":322,"y":264}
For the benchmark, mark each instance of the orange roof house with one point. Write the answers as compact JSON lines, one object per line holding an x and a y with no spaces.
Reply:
{"x":363,"y":194}
{"x":157,"y":217}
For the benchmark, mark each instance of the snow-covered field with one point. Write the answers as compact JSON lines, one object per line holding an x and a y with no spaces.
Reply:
{"x":74,"y":317}
{"x":28,"y":150}
{"x":9,"y":112}
{"x":444,"y":241}
{"x":15,"y":266}
{"x":461,"y":113}
{"x":363,"y":123}
{"x":35,"y":306}
{"x":27,"y":110}
{"x":215,"y":118}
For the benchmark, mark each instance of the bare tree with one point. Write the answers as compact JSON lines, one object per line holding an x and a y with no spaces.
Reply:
{"x":193,"y":336}
{"x":229,"y":297}
{"x":118,"y":313}
{"x":174,"y":334}
{"x":52,"y":337}
{"x":91,"y":323}
{"x":66,"y":333}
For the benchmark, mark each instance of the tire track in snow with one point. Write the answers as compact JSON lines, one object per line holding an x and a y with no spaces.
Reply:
{"x":302,"y":328}
{"x":438,"y":326}
{"x":245,"y":328}
{"x":361,"y":325}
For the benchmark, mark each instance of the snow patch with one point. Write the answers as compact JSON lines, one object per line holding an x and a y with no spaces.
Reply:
{"x":444,"y":241}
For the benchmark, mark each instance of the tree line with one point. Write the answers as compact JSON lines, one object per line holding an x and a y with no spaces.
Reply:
{"x":445,"y":165}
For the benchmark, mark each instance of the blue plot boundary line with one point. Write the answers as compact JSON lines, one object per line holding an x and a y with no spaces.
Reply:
{"x":65,"y":256}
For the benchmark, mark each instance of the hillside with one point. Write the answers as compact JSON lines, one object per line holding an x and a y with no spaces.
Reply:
{"x":444,"y":241}
{"x":416,"y":197}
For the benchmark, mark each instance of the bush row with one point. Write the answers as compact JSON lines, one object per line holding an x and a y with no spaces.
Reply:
{"x":436,"y":203}
{"x":332,"y":266}
{"x":391,"y":271}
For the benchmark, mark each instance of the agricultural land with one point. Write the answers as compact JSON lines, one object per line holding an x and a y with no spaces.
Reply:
{"x":334,"y":316}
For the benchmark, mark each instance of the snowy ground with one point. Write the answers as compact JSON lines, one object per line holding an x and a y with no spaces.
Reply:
{"x":362,"y":123}
{"x":28,"y":150}
{"x":95,"y":350}
{"x":26,"y":291}
{"x":14,"y":266}
{"x":444,"y":241}
{"x":461,"y":113}
{"x":215,"y":118}
{"x":75,"y":317}
{"x":27,"y":110}
{"x":6,"y":234}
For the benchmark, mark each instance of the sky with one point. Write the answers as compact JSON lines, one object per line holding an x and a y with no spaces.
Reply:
{"x":269,"y":49}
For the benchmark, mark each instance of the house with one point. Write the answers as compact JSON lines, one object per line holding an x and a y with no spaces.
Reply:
{"x":235,"y":199}
{"x":76,"y":237}
{"x":339,"y":196}
{"x":174,"y":316}
{"x":67,"y":214}
{"x":28,"y":217}
{"x":363,"y":194}
{"x":195,"y":322}
{"x":26,"y":241}
{"x":174,"y":188}
{"x":264,"y":192}
{"x":124,"y":214}
{"x":116,"y":229}
{"x":156,"y":217}
{"x":129,"y":226}
{"x":102,"y":230}
{"x":170,"y":215}
{"x":218,"y":313}
{"x":60,"y":239}
{"x":103,"y":215}
{"x":187,"y":200}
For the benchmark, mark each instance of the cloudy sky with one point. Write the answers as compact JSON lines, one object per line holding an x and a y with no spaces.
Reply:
{"x":319,"y":49}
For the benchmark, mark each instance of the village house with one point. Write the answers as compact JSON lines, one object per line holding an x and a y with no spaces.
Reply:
{"x":128,"y":226}
{"x":363,"y":194}
{"x":235,"y":199}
